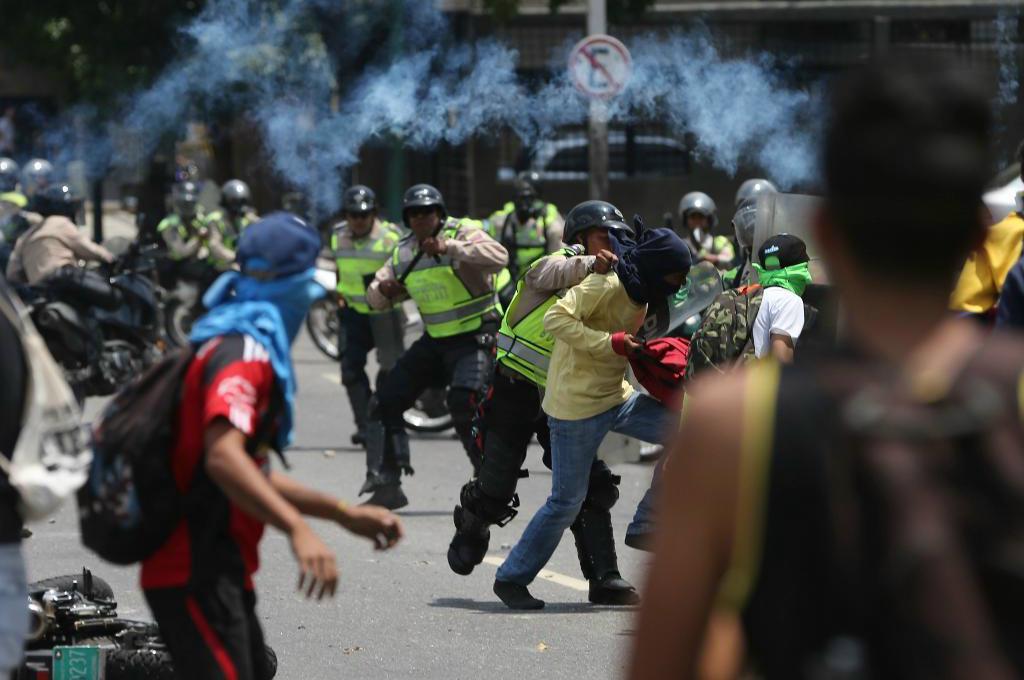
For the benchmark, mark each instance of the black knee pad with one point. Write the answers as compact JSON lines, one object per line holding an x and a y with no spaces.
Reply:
{"x":486,"y":509}
{"x":603,"y":491}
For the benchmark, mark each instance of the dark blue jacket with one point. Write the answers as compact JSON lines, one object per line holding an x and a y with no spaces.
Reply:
{"x":1010,"y":313}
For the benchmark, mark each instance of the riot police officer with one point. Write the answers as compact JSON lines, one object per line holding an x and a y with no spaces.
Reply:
{"x":195,"y":251}
{"x":447,"y":266}
{"x":699,"y":217}
{"x":9,"y":184}
{"x":36,"y":176}
{"x":511,"y":415}
{"x":361,"y":243}
{"x":528,"y":227}
{"x":235,"y":214}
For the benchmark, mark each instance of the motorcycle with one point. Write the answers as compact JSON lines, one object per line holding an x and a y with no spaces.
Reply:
{"x":80,"y":611}
{"x":102,"y":340}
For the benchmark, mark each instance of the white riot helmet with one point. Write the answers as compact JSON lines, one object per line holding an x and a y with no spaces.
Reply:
{"x":752,"y":188}
{"x":700,"y":203}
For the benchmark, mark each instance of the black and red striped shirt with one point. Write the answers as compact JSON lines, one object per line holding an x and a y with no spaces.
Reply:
{"x":231,"y":377}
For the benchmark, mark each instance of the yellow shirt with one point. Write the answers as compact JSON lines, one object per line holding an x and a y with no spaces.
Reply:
{"x":984,"y":273}
{"x":585,"y":376}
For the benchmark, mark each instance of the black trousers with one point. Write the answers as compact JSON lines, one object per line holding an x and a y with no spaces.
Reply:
{"x":463,"y":363}
{"x":211,"y":631}
{"x":509,"y":418}
{"x":355,"y":343}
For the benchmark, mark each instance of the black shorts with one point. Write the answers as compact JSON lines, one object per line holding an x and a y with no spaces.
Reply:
{"x":211,"y":631}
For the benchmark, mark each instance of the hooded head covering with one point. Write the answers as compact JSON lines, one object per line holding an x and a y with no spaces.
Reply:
{"x":643,"y":264}
{"x":784,"y":264}
{"x":269,"y":298}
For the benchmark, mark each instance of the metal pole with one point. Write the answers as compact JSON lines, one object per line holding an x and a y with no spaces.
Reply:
{"x":97,"y":210}
{"x":597,"y":22}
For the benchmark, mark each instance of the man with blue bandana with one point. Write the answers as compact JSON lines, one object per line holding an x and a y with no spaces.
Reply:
{"x":236,"y":404}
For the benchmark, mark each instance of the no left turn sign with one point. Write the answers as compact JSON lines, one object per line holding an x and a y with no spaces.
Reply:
{"x":600,"y":66}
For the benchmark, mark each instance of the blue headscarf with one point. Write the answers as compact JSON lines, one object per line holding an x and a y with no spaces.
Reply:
{"x":267,"y":300}
{"x":645,"y":262}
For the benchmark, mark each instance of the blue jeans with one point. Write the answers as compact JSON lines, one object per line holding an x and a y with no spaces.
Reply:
{"x":13,"y":607}
{"x":574,"y":446}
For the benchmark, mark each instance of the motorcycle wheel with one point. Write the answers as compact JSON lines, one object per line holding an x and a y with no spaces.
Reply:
{"x":322,"y":325}
{"x":430,"y":414}
{"x":100,"y":588}
{"x":179,"y":318}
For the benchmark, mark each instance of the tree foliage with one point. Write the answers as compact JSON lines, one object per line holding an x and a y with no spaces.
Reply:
{"x":98,"y":48}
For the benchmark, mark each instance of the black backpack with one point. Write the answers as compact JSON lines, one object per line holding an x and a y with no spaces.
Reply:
{"x":928,"y":498}
{"x":130,"y":504}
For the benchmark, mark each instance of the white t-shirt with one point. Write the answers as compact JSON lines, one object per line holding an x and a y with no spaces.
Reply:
{"x":781,"y":313}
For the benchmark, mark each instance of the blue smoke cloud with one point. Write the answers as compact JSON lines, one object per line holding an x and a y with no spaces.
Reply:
{"x":275,"y":67}
{"x":1007,"y":42}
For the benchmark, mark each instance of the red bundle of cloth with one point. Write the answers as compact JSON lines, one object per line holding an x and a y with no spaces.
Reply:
{"x":659,"y":366}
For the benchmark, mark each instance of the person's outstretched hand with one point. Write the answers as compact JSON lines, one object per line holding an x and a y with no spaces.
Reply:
{"x":378,"y":524}
{"x":318,"y":571}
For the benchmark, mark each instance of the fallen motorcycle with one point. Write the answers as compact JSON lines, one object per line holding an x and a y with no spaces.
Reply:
{"x":75,"y":618}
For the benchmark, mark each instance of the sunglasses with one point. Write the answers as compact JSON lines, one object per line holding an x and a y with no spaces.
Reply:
{"x":359,"y":215}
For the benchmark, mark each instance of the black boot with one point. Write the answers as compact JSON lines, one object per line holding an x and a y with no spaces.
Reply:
{"x":473,"y":519}
{"x":388,"y":496}
{"x":469,"y":545}
{"x":516,"y":596}
{"x":383,"y":476}
{"x":595,"y":544}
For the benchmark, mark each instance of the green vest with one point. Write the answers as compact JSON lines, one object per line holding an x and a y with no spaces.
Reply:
{"x":229,"y":229}
{"x":526,"y":347}
{"x":15,"y":198}
{"x":445,"y":304}
{"x":173,"y":221}
{"x":529,"y":244}
{"x":358,"y":264}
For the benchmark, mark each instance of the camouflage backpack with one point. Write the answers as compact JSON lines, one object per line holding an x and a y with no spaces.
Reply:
{"x":724,"y":338}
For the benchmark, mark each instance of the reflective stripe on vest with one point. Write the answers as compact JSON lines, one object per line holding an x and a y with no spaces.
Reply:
{"x":526,"y":347}
{"x":445,"y":304}
{"x":357,"y":265}
{"x":519,"y":349}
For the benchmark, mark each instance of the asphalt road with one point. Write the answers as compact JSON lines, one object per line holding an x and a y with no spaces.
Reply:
{"x":403,"y":614}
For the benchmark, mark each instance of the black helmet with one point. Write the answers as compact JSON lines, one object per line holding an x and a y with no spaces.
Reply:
{"x":528,"y":181}
{"x":590,"y":214}
{"x":56,"y":199}
{"x":422,"y":196}
{"x":752,"y":188}
{"x":8,"y":174}
{"x":235,"y":196}
{"x":185,"y":199}
{"x":359,"y":199}
{"x":37,"y":174}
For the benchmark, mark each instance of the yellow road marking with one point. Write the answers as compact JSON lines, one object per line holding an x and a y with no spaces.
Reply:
{"x":547,"y":575}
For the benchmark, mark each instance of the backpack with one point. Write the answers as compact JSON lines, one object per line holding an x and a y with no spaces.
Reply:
{"x":928,"y":518}
{"x":130,"y":504}
{"x":724,"y":338}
